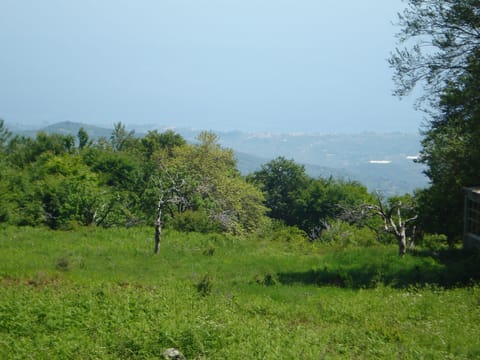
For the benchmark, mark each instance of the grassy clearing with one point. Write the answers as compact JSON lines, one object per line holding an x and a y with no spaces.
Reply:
{"x":101,"y":294}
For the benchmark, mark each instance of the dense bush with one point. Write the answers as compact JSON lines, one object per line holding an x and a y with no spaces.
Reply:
{"x":342,"y":233}
{"x":279,"y":232}
{"x":434,"y":241}
{"x":195,"y":221}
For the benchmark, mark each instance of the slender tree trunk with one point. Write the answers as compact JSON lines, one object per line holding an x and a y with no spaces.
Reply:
{"x":167,"y":196}
{"x":158,"y":234}
{"x":402,"y":242}
{"x":158,"y":228}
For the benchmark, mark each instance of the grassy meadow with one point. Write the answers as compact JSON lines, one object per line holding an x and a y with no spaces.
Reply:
{"x":101,"y":294}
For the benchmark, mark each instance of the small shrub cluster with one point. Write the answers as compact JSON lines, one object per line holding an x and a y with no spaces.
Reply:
{"x":278,"y":232}
{"x":205,"y":285}
{"x":63,"y":263}
{"x":344,"y":234}
{"x":267,"y":279}
{"x":195,"y":221}
{"x":434,"y":241}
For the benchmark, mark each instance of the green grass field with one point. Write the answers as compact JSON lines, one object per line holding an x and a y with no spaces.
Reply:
{"x":102,"y":294}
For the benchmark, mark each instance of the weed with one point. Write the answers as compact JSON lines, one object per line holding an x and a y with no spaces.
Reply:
{"x":267,"y":279}
{"x":41,"y":278}
{"x":205,"y":285}
{"x":63,"y":263}
{"x":209,"y":251}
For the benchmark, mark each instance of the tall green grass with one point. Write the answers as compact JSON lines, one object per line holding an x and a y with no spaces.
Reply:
{"x":102,"y":294}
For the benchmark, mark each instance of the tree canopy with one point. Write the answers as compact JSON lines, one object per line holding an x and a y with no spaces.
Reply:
{"x":437,"y":39}
{"x":54,"y":180}
{"x":442,"y":51}
{"x":299,"y":200}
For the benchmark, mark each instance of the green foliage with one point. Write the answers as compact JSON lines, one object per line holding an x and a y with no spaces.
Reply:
{"x":20,"y":205}
{"x":343,"y":234}
{"x":326,"y":199}
{"x":155,"y":141}
{"x":450,"y":151}
{"x":22,"y":151}
{"x":282,"y":181}
{"x":68,"y":191}
{"x":310,"y":204}
{"x":5,"y":134}
{"x":434,"y":241}
{"x":215,"y":186}
{"x":267,"y":279}
{"x":205,"y":285}
{"x":118,"y":170}
{"x":121,"y":139}
{"x":46,"y":180}
{"x":83,"y":139}
{"x":278,"y":231}
{"x":440,"y":37}
{"x":63,"y":263}
{"x":118,"y":182}
{"x":195,"y":221}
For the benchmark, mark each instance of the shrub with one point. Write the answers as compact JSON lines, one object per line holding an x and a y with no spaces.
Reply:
{"x":277,"y":231}
{"x":209,"y":250}
{"x":205,"y":285}
{"x":342,"y":233}
{"x":195,"y":221}
{"x":63,"y":263}
{"x":267,"y":279}
{"x":434,"y":241}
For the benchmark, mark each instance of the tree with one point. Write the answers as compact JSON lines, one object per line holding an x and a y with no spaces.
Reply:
{"x":55,"y":190}
{"x":83,"y":139}
{"x":120,"y":137}
{"x":451,"y":151}
{"x":213,"y":186}
{"x":299,"y":200}
{"x":170,"y":192}
{"x":4,"y":135}
{"x":440,"y":36}
{"x":155,"y":141}
{"x":282,"y":182}
{"x":397,"y":217}
{"x":21,"y":150}
{"x":323,"y":201}
{"x":444,"y":48}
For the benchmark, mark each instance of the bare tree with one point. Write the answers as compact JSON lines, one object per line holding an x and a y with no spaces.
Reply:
{"x":394,"y":220}
{"x":317,"y":230}
{"x":170,"y":193}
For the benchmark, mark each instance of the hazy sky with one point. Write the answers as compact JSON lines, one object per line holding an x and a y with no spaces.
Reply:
{"x":263,"y":65}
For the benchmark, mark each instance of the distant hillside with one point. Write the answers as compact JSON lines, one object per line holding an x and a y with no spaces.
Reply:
{"x":383,"y":162}
{"x":380,"y":161}
{"x":65,"y":128}
{"x":247,"y":164}
{"x":71,"y":128}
